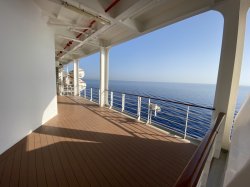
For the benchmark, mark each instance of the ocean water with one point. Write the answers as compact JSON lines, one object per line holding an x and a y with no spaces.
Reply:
{"x":172,"y":116}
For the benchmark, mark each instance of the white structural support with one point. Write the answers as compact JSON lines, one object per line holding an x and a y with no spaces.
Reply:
{"x":238,"y":167}
{"x":76,"y":77}
{"x":234,"y":13}
{"x":61,"y":83}
{"x":104,"y":76}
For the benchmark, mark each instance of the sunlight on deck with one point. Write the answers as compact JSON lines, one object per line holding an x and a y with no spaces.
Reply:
{"x":85,"y":145}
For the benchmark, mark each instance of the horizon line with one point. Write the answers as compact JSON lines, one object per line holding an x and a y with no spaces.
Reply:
{"x":164,"y":82}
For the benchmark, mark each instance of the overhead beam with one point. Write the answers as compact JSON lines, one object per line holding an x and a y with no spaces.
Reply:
{"x":68,"y":25}
{"x":79,"y":31}
{"x":105,"y":27}
{"x":128,"y":23}
{"x":132,"y":24}
{"x":65,"y":32}
{"x":68,"y":38}
{"x":67,"y":51}
{"x":92,"y":44}
{"x":137,"y":8}
{"x":124,"y":18}
{"x":83,"y":12}
{"x":176,"y":11}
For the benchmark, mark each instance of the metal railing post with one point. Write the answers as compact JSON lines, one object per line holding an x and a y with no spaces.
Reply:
{"x":111,"y":99}
{"x":91,"y":92}
{"x":99,"y":96}
{"x":139,"y":109}
{"x":123,"y":102}
{"x":149,"y":113}
{"x":186,"y":125}
{"x":85,"y":93}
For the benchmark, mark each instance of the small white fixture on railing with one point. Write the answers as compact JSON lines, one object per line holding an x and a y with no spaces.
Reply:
{"x":152,"y":108}
{"x":156,"y":108}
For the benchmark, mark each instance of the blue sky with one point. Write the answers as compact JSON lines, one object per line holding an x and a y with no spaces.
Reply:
{"x":187,"y":52}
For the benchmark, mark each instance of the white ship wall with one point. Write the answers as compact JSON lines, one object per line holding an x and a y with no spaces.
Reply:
{"x":27,"y":71}
{"x":238,"y":167}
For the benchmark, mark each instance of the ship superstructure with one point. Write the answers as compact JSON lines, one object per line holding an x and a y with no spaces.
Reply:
{"x":52,"y":140}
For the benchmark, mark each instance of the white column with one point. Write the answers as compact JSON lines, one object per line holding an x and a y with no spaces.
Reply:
{"x":234,"y":12}
{"x":104,"y":75}
{"x":77,"y":87}
{"x":61,"y":82}
{"x":76,"y":77}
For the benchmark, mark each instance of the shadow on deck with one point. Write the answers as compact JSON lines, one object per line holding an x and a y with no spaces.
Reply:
{"x":90,"y":146}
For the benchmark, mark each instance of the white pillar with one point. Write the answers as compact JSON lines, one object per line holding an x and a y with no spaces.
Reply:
{"x":76,"y":77}
{"x":104,"y":75}
{"x":61,"y":82}
{"x":234,"y":12}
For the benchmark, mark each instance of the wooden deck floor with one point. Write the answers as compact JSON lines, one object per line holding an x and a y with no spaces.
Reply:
{"x":90,"y":146}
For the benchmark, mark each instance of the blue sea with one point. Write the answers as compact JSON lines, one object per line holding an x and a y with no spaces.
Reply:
{"x":172,"y":116}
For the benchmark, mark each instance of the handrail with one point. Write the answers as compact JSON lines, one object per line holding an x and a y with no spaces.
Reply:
{"x":166,"y":100}
{"x":192,"y":172}
{"x":167,"y":109}
{"x":95,"y":88}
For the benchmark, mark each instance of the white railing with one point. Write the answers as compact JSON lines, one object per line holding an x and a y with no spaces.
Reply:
{"x":93,"y":94}
{"x":179,"y":117}
{"x":139,"y":108}
{"x":187,"y":119}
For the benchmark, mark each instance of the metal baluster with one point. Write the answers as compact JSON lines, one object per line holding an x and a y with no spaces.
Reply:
{"x":99,"y":99}
{"x":149,"y":113}
{"x":139,"y":108}
{"x":185,"y":133}
{"x":111,"y":99}
{"x":85,"y":93}
{"x":91,"y":98}
{"x":123,"y":102}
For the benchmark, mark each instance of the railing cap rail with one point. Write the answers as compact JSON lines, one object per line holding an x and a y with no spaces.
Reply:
{"x":165,"y":100}
{"x":192,"y":172}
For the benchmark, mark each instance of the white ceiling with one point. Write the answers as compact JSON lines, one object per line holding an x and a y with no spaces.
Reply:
{"x":127,"y":19}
